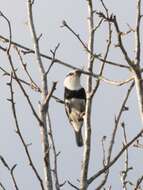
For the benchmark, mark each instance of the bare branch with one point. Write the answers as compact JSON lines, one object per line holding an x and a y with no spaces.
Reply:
{"x":112,"y":140}
{"x":73,"y":186}
{"x":116,"y":157}
{"x":21,"y":137}
{"x":137,"y":34}
{"x":103,"y":150}
{"x":11,"y":171}
{"x":33,"y":84}
{"x":9,"y":29}
{"x":99,"y":77}
{"x":58,"y":99}
{"x":2,"y":186}
{"x":55,"y":170}
{"x":26,"y":50}
{"x":113,"y":19}
{"x":124,"y":173}
{"x":62,"y":184}
{"x":127,"y":58}
{"x":117,"y":83}
{"x":44,"y":102}
{"x":4,"y":162}
{"x":13,"y":178}
{"x":53,"y":58}
{"x":49,"y":95}
{"x":87,"y":119}
{"x":6,"y":73}
{"x":76,"y":35}
{"x":138,"y":144}
{"x":98,"y":25}
{"x":139,"y":181}
{"x":34,"y":36}
{"x":106,"y":53}
{"x":23,"y":90}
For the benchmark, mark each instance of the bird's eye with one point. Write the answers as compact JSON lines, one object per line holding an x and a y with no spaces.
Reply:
{"x":70,"y":74}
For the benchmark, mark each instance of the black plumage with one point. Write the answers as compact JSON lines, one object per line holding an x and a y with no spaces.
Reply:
{"x":75,"y":94}
{"x":75,"y":100}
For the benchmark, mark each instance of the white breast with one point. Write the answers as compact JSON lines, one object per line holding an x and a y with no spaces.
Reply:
{"x":72,"y":83}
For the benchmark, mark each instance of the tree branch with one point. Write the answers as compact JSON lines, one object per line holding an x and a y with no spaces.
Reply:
{"x":2,"y":186}
{"x":18,"y":131}
{"x":33,"y":84}
{"x":113,"y":20}
{"x":11,"y":171}
{"x":106,"y":53}
{"x":111,"y":145}
{"x":26,"y":50}
{"x":24,"y":92}
{"x":137,"y":34}
{"x":124,"y":173}
{"x":42,"y":110}
{"x":49,"y":95}
{"x":9,"y":29}
{"x":73,"y":186}
{"x":53,"y":58}
{"x":113,"y":161}
{"x":139,"y":181}
{"x":55,"y":170}
{"x":87,"y":119}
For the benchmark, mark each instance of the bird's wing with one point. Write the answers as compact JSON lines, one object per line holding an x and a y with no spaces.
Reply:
{"x":75,"y":109}
{"x":68,"y":108}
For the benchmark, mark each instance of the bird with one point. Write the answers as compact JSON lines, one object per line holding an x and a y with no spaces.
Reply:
{"x":75,"y":103}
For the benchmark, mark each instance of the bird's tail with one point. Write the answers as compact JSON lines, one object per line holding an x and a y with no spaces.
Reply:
{"x":79,"y":139}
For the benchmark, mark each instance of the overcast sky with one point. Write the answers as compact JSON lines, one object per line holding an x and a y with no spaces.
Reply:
{"x":48,"y":16}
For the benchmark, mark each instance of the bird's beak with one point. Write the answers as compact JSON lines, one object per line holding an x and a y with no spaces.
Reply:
{"x":78,"y":72}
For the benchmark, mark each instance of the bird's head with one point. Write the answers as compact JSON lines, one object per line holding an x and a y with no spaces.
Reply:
{"x":72,"y":80}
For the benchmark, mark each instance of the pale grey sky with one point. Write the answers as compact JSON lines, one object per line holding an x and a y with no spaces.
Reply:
{"x":48,"y":16}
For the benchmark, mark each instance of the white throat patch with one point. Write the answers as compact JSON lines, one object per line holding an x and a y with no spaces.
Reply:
{"x":72,"y":83}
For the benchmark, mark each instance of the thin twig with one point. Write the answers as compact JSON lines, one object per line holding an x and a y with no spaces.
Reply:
{"x":138,"y":144}
{"x":11,"y":171}
{"x":59,"y":100}
{"x":55,"y":170}
{"x":124,"y":173}
{"x":18,"y":131}
{"x":24,"y":92}
{"x":106,"y":53}
{"x":26,"y":50}
{"x":49,"y":95}
{"x":98,"y":77}
{"x":53,"y":58}
{"x":4,"y":162}
{"x":116,"y":83}
{"x":98,"y":25}
{"x":114,"y":160}
{"x":87,"y":119}
{"x":10,"y":33}
{"x":2,"y":186}
{"x":76,"y":35}
{"x":45,"y":96}
{"x":113,"y":139}
{"x":6,"y":73}
{"x":33,"y":84}
{"x":137,"y":34}
{"x":13,"y":177}
{"x":73,"y":186}
{"x":113,"y":20}
{"x":103,"y":150}
{"x":139,"y":181}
